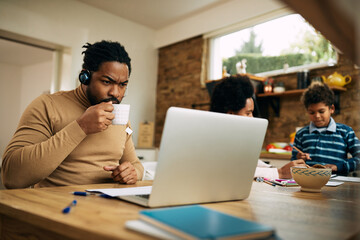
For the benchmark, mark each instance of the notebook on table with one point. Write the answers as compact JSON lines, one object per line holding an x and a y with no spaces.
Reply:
{"x":197,"y":222}
{"x":204,"y":157}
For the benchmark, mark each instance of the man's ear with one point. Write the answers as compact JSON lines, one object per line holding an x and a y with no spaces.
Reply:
{"x":332,"y":109}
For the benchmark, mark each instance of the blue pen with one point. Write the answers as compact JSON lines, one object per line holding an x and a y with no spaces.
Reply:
{"x":105,"y":196}
{"x":87,"y":194}
{"x":68,"y":208}
{"x":81,"y":193}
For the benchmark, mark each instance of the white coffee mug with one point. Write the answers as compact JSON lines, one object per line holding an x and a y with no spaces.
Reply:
{"x":121,"y":112}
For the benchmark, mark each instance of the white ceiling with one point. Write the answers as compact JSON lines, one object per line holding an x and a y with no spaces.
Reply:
{"x":18,"y":54}
{"x":154,"y":14}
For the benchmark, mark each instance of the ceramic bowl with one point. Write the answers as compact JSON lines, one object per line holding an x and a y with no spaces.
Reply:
{"x":280,"y":144}
{"x":311,"y":179}
{"x":278,"y":89}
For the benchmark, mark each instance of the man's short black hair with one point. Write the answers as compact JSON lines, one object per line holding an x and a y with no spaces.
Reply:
{"x":104,"y":51}
{"x":318,"y":92}
{"x":231,"y":93}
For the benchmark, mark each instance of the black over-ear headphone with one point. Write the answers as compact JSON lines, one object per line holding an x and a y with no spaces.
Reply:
{"x":85,"y":76}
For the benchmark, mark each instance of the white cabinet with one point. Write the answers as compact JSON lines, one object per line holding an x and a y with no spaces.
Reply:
{"x":147,"y":154}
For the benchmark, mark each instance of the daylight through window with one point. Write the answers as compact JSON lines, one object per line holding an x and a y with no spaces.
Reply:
{"x":286,"y":44}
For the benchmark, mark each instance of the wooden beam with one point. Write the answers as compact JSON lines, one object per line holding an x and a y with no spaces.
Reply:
{"x":326,"y":17}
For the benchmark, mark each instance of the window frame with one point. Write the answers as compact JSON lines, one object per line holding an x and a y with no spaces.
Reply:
{"x":214,"y":60}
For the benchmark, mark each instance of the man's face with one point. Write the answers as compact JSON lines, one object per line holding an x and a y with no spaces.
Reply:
{"x":108,"y":83}
{"x":248,"y":110}
{"x":320,"y":114}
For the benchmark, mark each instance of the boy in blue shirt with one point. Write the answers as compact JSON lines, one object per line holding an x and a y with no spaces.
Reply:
{"x":324,"y":141}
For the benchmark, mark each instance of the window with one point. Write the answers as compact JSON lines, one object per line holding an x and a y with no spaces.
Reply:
{"x":282,"y":45}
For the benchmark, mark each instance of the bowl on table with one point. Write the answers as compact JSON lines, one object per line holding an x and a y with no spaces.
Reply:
{"x":311,"y":179}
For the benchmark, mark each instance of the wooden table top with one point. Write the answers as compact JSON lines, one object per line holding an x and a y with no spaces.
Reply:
{"x":332,"y":214}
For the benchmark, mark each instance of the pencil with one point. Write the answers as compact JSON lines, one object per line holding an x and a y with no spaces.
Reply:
{"x":298,"y":149}
{"x":307,"y":155}
{"x":270,"y":183}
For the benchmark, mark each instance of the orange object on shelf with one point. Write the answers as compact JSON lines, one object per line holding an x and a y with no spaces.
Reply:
{"x":292,"y":137}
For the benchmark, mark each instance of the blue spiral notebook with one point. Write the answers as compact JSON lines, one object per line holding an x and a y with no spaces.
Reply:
{"x":197,"y":222}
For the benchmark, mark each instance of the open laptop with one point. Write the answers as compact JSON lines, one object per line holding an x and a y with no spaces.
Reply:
{"x":204,"y":157}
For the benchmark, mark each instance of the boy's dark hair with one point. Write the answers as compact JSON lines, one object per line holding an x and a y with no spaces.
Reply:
{"x":104,"y":51}
{"x":230,"y":94}
{"x":318,"y":92}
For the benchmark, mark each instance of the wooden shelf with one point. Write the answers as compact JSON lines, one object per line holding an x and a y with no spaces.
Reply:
{"x":274,"y":98}
{"x":210,"y":84}
{"x":256,"y":78}
{"x":252,"y":77}
{"x":295,"y":92}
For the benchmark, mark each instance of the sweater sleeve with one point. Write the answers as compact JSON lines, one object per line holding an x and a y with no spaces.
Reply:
{"x":130,"y":156}
{"x":298,"y":144}
{"x":353,"y":147}
{"x":35,"y":152}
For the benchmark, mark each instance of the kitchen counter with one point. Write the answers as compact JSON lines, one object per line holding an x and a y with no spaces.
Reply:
{"x":275,"y":159}
{"x":275,"y":156}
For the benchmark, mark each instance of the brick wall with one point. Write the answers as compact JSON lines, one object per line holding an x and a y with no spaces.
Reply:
{"x":179,"y":79}
{"x":179,"y":85}
{"x":293,"y":113}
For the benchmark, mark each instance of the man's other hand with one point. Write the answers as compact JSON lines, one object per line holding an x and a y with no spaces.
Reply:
{"x":123,"y":173}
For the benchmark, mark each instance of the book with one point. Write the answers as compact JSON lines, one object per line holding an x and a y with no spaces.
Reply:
{"x":346,"y":179}
{"x":197,"y":222}
{"x":287,"y":182}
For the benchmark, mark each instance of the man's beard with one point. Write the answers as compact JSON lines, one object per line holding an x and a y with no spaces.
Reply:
{"x":94,"y":100}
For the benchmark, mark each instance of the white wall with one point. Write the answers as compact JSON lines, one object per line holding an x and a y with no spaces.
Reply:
{"x":70,"y":23}
{"x":35,"y":80}
{"x":224,"y":15}
{"x":19,"y":85}
{"x":10,"y":85}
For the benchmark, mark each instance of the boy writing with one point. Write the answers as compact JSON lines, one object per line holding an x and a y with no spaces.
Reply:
{"x":324,"y":141}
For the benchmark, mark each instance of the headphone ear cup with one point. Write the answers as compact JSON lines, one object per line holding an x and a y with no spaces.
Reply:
{"x":85,"y":77}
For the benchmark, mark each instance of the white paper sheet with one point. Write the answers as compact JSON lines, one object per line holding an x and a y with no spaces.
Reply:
{"x":115,"y":192}
{"x":346,"y":179}
{"x":333,"y":183}
{"x":149,"y":170}
{"x":147,"y":228}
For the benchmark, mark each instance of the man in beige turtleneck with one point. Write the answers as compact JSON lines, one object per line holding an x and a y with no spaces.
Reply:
{"x":67,"y":138}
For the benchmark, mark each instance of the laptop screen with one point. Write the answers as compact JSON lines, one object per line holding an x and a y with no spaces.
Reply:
{"x":206,"y":157}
